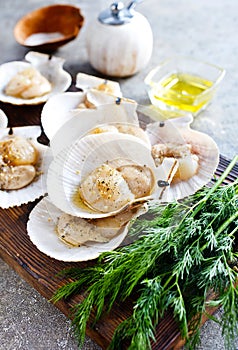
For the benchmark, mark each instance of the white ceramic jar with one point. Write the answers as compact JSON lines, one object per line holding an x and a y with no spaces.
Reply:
{"x":120,"y":41}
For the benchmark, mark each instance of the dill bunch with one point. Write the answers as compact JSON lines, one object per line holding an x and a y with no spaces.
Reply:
{"x":186,"y":249}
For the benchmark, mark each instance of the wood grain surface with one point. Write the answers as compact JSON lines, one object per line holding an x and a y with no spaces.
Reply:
{"x":40,"y":271}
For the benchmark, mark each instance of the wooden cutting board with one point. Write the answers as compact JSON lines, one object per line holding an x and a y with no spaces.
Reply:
{"x":40,"y":271}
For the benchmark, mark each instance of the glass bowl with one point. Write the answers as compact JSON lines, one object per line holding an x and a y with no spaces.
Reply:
{"x":183,"y":83}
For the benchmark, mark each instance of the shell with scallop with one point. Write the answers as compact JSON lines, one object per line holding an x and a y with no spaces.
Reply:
{"x":196,"y":153}
{"x":117,"y":117}
{"x":88,"y":142}
{"x":34,"y":80}
{"x":101,"y":174}
{"x":103,"y":168}
{"x":62,"y":107}
{"x":22,"y":166}
{"x":68,"y":238}
{"x":87,"y":82}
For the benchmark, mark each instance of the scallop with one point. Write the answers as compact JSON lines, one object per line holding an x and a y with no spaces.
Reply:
{"x":27,"y":84}
{"x":196,"y":153}
{"x":34,"y":81}
{"x":87,"y":82}
{"x":187,"y":161}
{"x":105,"y":190}
{"x":95,"y":92}
{"x":103,"y":128}
{"x":60,"y":109}
{"x":139,"y":178}
{"x":46,"y":228}
{"x":18,"y":156}
{"x":131,"y":129}
{"x":17,"y":150}
{"x":91,"y":178}
{"x":124,"y":128}
{"x":87,"y":121}
{"x":16,"y":177}
{"x":76,"y":231}
{"x":22,"y":169}
{"x":95,"y":98}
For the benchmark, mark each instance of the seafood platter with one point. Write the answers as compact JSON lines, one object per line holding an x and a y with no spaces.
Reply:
{"x":103,"y":164}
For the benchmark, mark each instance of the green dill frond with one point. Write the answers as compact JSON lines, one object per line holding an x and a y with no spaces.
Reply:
{"x":184,"y":250}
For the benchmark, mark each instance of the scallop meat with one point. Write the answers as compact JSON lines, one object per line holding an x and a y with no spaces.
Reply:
{"x":34,"y":80}
{"x":100,"y":175}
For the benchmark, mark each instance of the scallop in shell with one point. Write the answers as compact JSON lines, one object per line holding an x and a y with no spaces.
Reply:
{"x":42,"y":227}
{"x":34,"y":81}
{"x":90,"y":178}
{"x":63,"y":107}
{"x":97,"y":120}
{"x":24,"y":178}
{"x":87,"y":82}
{"x":197,"y":155}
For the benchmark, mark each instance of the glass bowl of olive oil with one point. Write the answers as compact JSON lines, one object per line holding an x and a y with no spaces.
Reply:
{"x":183,"y":83}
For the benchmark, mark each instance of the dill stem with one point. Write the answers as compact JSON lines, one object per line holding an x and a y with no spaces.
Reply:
{"x":228,"y":270}
{"x":233,"y":232}
{"x":169,"y":279}
{"x":216,"y":185}
{"x":199,"y":205}
{"x":223,"y":227}
{"x":227,"y":223}
{"x":224,"y":175}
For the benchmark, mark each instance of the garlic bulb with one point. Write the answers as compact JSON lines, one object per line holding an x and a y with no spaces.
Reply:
{"x":122,"y":46}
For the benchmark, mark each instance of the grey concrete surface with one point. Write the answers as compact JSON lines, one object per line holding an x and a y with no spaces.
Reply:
{"x":206,"y":30}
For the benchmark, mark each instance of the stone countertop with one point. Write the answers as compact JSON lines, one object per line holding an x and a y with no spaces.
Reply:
{"x":205,"y":30}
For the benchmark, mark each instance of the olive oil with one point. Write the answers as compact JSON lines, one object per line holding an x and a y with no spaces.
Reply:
{"x":78,"y":201}
{"x":182,"y":91}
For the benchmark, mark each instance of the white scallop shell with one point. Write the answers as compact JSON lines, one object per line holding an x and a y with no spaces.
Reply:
{"x":3,"y":119}
{"x":87,"y":82}
{"x":35,"y":189}
{"x":179,"y":132}
{"x":97,"y":98}
{"x":58,"y":110}
{"x":74,"y":163}
{"x":50,"y":67}
{"x":61,"y":108}
{"x":84,"y":121}
{"x":41,"y":230}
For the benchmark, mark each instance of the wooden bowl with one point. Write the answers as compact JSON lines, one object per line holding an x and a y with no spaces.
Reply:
{"x":48,"y":28}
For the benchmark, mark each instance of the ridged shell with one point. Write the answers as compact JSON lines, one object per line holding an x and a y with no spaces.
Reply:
{"x":58,"y":110}
{"x":35,"y":189}
{"x":50,"y":67}
{"x":3,"y":119}
{"x":87,"y":82}
{"x":178,"y":131}
{"x":41,"y":229}
{"x":62,"y":107}
{"x":75,"y":163}
{"x":86,"y":120}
